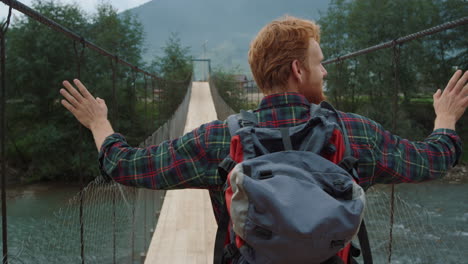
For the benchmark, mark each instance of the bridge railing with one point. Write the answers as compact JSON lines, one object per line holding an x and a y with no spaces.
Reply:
{"x":387,"y":212}
{"x":223,"y":110}
{"x":230,"y":95}
{"x":83,"y":219}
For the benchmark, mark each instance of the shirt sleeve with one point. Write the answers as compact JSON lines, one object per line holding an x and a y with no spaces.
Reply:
{"x":387,"y":158}
{"x":173,"y":164}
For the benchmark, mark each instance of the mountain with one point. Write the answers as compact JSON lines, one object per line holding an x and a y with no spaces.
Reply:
{"x":227,"y":27}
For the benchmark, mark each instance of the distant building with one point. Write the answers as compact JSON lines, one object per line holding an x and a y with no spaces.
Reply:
{"x":240,"y":78}
{"x":157,"y":94}
{"x":245,"y":84}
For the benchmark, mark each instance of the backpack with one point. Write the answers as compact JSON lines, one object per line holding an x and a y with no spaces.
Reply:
{"x":291,"y":193}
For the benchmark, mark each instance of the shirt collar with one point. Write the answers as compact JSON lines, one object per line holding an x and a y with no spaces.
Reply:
{"x":283,"y":99}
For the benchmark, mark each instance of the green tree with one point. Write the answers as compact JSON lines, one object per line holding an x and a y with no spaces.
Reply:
{"x":231,"y":90}
{"x":121,"y":35}
{"x":366,"y":84}
{"x":38,"y":60}
{"x":176,"y":63}
{"x":175,"y":68}
{"x":43,"y":138}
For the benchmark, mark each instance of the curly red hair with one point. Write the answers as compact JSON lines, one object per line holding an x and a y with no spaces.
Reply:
{"x":276,"y":46}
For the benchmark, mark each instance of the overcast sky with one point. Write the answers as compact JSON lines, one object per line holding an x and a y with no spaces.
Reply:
{"x":87,"y":5}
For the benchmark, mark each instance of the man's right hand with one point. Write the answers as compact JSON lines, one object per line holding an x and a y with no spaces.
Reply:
{"x":89,"y":111}
{"x":86,"y":109}
{"x":450,"y":104}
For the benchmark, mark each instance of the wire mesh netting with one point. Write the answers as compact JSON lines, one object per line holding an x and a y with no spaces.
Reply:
{"x":117,"y":222}
{"x":422,"y":232}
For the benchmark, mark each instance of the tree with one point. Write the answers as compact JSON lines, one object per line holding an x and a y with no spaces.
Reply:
{"x":175,"y":68}
{"x":37,"y":61}
{"x":367,"y":84}
{"x":122,"y":35}
{"x":43,"y":138}
{"x":231,"y":90}
{"x":176,"y":63}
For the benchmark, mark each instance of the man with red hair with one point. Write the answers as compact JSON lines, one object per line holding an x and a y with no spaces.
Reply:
{"x":285,"y":59}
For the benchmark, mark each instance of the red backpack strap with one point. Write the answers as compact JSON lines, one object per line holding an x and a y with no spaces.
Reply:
{"x":235,"y":150}
{"x":335,"y":118}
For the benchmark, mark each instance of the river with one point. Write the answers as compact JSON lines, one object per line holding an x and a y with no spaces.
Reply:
{"x":44,"y":227}
{"x":431,"y":225}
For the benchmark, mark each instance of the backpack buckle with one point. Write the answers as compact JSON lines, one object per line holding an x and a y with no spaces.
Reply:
{"x":230,"y":252}
{"x":247,"y":119}
{"x":354,"y":251}
{"x":225,"y":167}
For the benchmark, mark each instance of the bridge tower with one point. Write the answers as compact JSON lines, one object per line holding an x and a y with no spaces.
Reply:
{"x":201,"y":70}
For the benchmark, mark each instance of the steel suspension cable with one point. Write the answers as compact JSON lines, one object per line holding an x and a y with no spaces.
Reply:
{"x":3,"y":31}
{"x":68,"y":33}
{"x":79,"y":55}
{"x":114,"y":67}
{"x":401,"y":40}
{"x":114,"y":194}
{"x":340,"y":83}
{"x":145,"y":81}
{"x":396,"y":78}
{"x":153,"y":117}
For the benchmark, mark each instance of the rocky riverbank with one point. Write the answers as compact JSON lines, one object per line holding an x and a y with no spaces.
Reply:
{"x":459,"y":174}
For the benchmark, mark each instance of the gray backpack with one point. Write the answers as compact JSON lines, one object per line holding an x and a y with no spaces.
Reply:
{"x":290,"y":192}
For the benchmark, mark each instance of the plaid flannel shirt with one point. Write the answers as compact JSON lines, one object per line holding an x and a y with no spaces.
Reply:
{"x":191,"y":161}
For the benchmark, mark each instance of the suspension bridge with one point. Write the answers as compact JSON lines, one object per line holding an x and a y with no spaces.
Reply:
{"x":108,"y":223}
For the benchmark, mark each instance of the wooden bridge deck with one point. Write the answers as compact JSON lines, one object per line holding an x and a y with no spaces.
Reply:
{"x":186,"y":227}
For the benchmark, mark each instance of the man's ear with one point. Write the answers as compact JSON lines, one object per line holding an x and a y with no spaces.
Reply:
{"x":296,"y":70}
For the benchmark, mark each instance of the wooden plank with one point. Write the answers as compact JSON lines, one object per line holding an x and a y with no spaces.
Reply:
{"x":186,"y":228}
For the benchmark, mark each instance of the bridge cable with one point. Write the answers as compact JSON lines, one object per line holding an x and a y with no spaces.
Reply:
{"x":401,"y":40}
{"x":79,"y":55}
{"x":145,"y":81}
{"x":114,"y":229}
{"x":3,"y":31}
{"x":114,"y":68}
{"x":340,"y":83}
{"x":68,"y":33}
{"x":396,"y":78}
{"x":133,"y":97}
{"x":146,"y":133}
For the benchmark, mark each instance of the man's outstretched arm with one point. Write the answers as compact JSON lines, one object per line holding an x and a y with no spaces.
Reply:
{"x":388,"y":158}
{"x":173,"y":164}
{"x":89,"y":111}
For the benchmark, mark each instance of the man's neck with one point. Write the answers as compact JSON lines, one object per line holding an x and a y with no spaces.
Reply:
{"x":281,"y":89}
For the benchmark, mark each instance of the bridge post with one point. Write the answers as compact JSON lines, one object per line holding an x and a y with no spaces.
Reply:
{"x":80,"y":56}
{"x":144,"y":223}
{"x":133,"y":228}
{"x":114,"y":230}
{"x":114,"y":67}
{"x":396,"y":80}
{"x":209,"y":68}
{"x":3,"y":31}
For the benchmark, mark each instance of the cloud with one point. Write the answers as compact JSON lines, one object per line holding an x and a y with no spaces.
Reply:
{"x":87,"y":5}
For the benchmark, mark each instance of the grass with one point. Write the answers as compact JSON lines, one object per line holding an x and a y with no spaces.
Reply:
{"x":422,"y":100}
{"x":464,"y":157}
